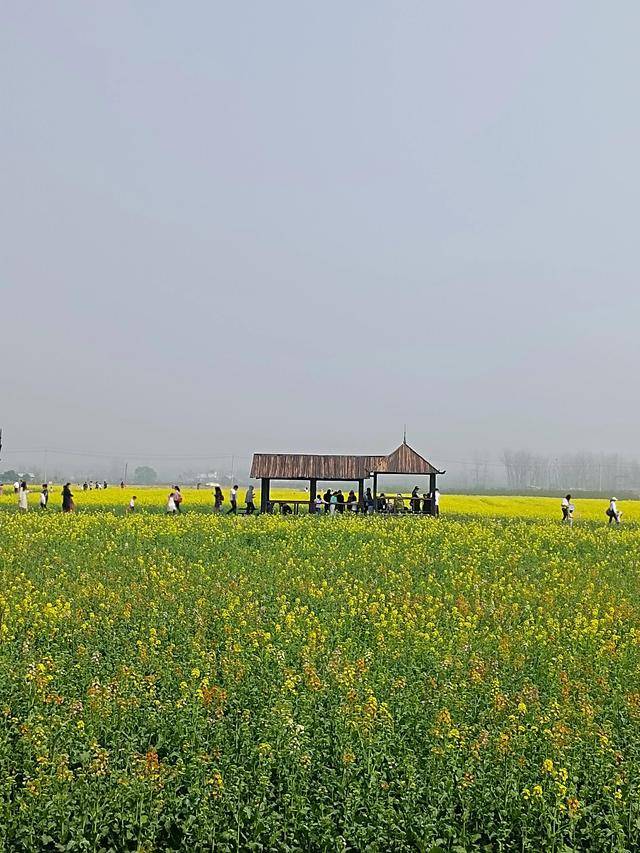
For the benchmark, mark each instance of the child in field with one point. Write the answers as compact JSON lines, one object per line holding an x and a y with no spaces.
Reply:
{"x":171,"y":504}
{"x":44,"y":496}
{"x":132,"y":504}
{"x":318,"y":504}
{"x":177,"y":497}
{"x":218,"y":499}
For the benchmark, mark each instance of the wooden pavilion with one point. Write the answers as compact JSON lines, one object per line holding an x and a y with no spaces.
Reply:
{"x":314,"y":468}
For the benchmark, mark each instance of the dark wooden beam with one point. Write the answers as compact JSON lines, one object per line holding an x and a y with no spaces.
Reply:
{"x":432,"y":490}
{"x":264,"y":494}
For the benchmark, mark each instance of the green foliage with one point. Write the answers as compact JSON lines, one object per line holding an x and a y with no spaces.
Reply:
{"x":145,"y":476}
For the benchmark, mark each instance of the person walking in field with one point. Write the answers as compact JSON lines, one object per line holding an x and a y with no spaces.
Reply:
{"x":23,"y":500}
{"x":567,"y":510}
{"x":171,"y":503}
{"x":249,"y":501}
{"x":613,"y":512}
{"x":233,"y":498}
{"x":218,"y":499}
{"x":44,"y":496}
{"x":177,"y":498}
{"x":67,"y":498}
{"x":132,"y":504}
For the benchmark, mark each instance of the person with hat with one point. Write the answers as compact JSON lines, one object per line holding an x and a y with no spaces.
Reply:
{"x":613,"y":512}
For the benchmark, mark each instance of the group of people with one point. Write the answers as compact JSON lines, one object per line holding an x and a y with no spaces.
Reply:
{"x":331,"y":502}
{"x":22,"y":491}
{"x":612,"y":512}
{"x":174,"y":501}
{"x":334,"y":501}
{"x":89,"y":485}
{"x":249,"y":500}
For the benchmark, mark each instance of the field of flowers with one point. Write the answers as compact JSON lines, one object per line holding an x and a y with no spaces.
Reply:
{"x":268,"y":683}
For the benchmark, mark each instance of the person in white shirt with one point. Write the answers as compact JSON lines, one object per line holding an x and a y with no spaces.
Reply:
{"x":23,"y":500}
{"x":233,"y":498}
{"x":132,"y":504}
{"x":44,"y":496}
{"x":171,"y":504}
{"x":567,"y":510}
{"x":612,"y":512}
{"x":318,"y":504}
{"x":436,"y":501}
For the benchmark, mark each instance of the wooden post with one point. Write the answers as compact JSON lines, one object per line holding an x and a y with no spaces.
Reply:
{"x":375,"y":493}
{"x":432,"y":489}
{"x":360,"y":495}
{"x":264,"y":494}
{"x":313,"y":491}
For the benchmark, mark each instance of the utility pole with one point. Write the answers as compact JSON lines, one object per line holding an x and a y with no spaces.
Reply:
{"x":124,"y":479}
{"x":45,"y":466}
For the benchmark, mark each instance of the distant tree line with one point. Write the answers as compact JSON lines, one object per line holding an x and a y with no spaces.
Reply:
{"x":591,"y":472}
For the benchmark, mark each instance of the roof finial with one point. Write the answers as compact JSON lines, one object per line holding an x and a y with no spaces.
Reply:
{"x":404,"y":435}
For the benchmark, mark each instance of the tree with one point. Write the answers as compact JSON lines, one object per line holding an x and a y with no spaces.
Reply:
{"x":9,"y":476}
{"x":144,"y":476}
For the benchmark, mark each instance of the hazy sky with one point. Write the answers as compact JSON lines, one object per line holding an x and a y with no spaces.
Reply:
{"x":229,"y":227}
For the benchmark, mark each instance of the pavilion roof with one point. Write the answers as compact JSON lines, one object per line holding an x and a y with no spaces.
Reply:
{"x":306,"y":466}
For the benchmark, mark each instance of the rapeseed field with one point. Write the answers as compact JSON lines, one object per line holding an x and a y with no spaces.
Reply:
{"x":268,"y":683}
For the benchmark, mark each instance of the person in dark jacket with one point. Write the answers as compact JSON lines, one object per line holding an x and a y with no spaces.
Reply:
{"x":67,"y":498}
{"x":340,"y":501}
{"x":327,"y":500}
{"x":415,"y":500}
{"x":368,"y":501}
